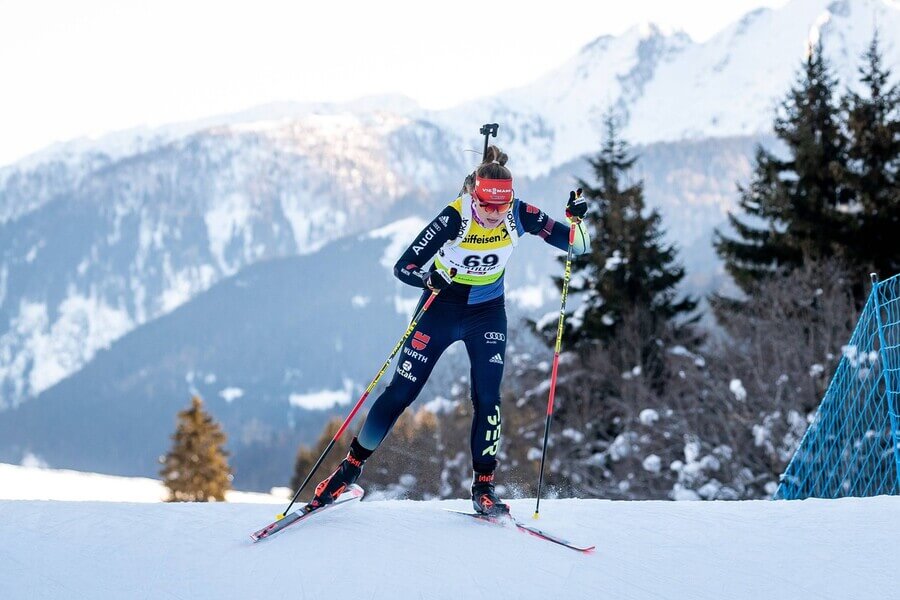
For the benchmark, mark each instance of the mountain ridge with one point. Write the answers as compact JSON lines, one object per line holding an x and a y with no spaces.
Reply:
{"x":846,"y":29}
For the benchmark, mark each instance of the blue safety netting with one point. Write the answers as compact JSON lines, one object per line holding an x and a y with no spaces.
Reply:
{"x":852,"y":446}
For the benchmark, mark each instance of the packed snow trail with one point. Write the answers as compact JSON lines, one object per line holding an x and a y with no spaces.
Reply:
{"x":823,"y":549}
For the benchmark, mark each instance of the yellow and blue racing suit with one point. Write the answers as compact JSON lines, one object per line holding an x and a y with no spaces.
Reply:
{"x":471,"y":309}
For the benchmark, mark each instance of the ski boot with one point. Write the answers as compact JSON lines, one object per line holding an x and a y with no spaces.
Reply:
{"x":484,"y":499}
{"x":346,"y":474}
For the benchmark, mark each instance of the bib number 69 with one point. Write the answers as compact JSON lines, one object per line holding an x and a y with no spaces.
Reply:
{"x":488,"y":260}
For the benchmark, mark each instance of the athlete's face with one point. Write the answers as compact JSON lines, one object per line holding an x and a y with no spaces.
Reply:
{"x":490,"y":218}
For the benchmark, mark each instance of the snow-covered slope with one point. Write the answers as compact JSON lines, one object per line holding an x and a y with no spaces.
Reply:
{"x":287,"y":335}
{"x":388,"y":550}
{"x":261,"y":347}
{"x":666,"y":87}
{"x":275,"y":351}
{"x":560,"y":115}
{"x":100,"y":255}
{"x":730,"y":84}
{"x":122,"y":144}
{"x":142,"y":236}
{"x":19,"y":482}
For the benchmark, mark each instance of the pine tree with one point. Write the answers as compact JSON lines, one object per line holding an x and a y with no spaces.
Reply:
{"x":627,"y":321}
{"x":873,"y":125}
{"x":196,"y":468}
{"x":629,"y":268}
{"x":795,"y":207}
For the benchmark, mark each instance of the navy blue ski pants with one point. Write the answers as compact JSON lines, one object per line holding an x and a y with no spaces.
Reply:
{"x":482,"y":327}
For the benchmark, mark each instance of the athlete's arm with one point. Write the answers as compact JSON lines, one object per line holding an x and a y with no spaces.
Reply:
{"x":443,"y":228}
{"x":537,"y":222}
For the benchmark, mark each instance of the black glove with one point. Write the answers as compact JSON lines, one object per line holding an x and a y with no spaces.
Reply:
{"x":437,"y":280}
{"x":576,"y":207}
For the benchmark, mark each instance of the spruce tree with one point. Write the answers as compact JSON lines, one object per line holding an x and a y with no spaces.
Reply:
{"x":196,"y":468}
{"x":794,"y":207}
{"x":629,"y":267}
{"x":625,"y":321}
{"x":873,"y":126}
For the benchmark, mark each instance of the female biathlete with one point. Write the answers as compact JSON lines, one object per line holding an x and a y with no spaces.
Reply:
{"x":475,"y":235}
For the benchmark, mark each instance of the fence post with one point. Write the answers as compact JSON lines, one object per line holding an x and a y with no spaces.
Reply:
{"x":886,"y":369}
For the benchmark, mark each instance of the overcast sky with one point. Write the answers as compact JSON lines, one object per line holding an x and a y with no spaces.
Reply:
{"x":87,"y":67}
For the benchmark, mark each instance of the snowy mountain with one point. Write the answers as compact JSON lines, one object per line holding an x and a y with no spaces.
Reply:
{"x":781,"y":550}
{"x":101,"y":237}
{"x":285,"y":343}
{"x":667,"y":87}
{"x":134,"y":239}
{"x":140,"y":237}
{"x":560,"y":116}
{"x":275,"y":351}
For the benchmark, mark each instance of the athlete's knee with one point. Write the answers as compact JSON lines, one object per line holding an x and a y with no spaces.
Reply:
{"x":486,"y":403}
{"x":395,"y":398}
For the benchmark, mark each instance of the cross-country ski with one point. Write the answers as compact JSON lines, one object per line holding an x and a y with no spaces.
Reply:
{"x":534,"y":531}
{"x":353,"y":493}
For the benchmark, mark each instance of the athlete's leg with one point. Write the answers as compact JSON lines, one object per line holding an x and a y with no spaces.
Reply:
{"x":485,"y":339}
{"x":436,"y":330}
{"x":434,"y":333}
